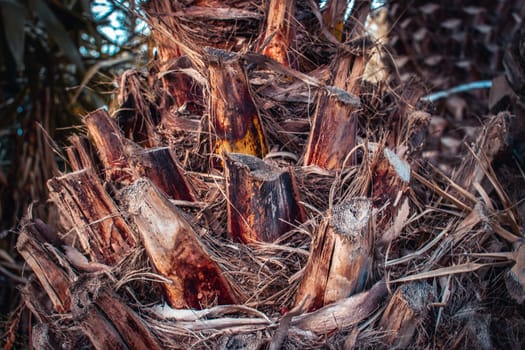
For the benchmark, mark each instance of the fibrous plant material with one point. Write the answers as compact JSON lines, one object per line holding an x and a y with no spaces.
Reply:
{"x":92,"y":220}
{"x":234,"y":119}
{"x":263,"y":201}
{"x":252,"y":247}
{"x":278,"y":36}
{"x":175,"y":249}
{"x":79,"y":154}
{"x":110,"y":324}
{"x":102,"y":317}
{"x":344,"y":313}
{"x":340,"y":256}
{"x":192,"y":26}
{"x":108,"y":140}
{"x":335,"y":118}
{"x":407,"y":309}
{"x":54,"y":280}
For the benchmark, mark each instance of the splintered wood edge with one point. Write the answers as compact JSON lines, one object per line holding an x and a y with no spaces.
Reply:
{"x":257,"y":167}
{"x":89,"y":208}
{"x":162,"y":167}
{"x":406,"y":309}
{"x":350,"y":257}
{"x":53,"y":279}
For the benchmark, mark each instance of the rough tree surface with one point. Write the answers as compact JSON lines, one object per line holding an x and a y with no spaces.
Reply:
{"x":271,"y":181}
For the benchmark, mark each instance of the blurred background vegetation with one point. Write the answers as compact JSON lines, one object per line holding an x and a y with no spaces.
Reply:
{"x":58,"y":60}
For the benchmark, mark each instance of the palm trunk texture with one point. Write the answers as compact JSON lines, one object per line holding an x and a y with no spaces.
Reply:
{"x":254,"y":189}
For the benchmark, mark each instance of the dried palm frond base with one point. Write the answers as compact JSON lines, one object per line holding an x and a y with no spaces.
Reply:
{"x":191,"y":220}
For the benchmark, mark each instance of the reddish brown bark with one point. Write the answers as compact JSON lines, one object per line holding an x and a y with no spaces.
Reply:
{"x":108,"y":141}
{"x":110,"y":324}
{"x":406,"y":310}
{"x":92,"y":216}
{"x":79,"y":153}
{"x":175,"y":250}
{"x":163,"y":169}
{"x":278,"y":36}
{"x":340,"y":257}
{"x":235,"y":124}
{"x":333,"y":133}
{"x":263,"y":200}
{"x":51,"y":275}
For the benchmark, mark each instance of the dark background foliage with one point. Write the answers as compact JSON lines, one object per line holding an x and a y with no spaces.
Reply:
{"x":56,"y":63}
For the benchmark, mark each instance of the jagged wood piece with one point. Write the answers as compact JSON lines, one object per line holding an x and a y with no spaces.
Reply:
{"x":88,"y":210}
{"x":235,"y":124}
{"x":278,"y":36}
{"x":175,"y":249}
{"x":125,"y":161}
{"x":110,"y":324}
{"x":489,"y":142}
{"x":79,"y":153}
{"x":53,"y":278}
{"x":263,"y":200}
{"x":391,"y":175}
{"x":109,"y":143}
{"x":406,"y":310}
{"x":167,"y":47}
{"x":340,"y":256}
{"x":333,"y":134}
{"x":161,"y":166}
